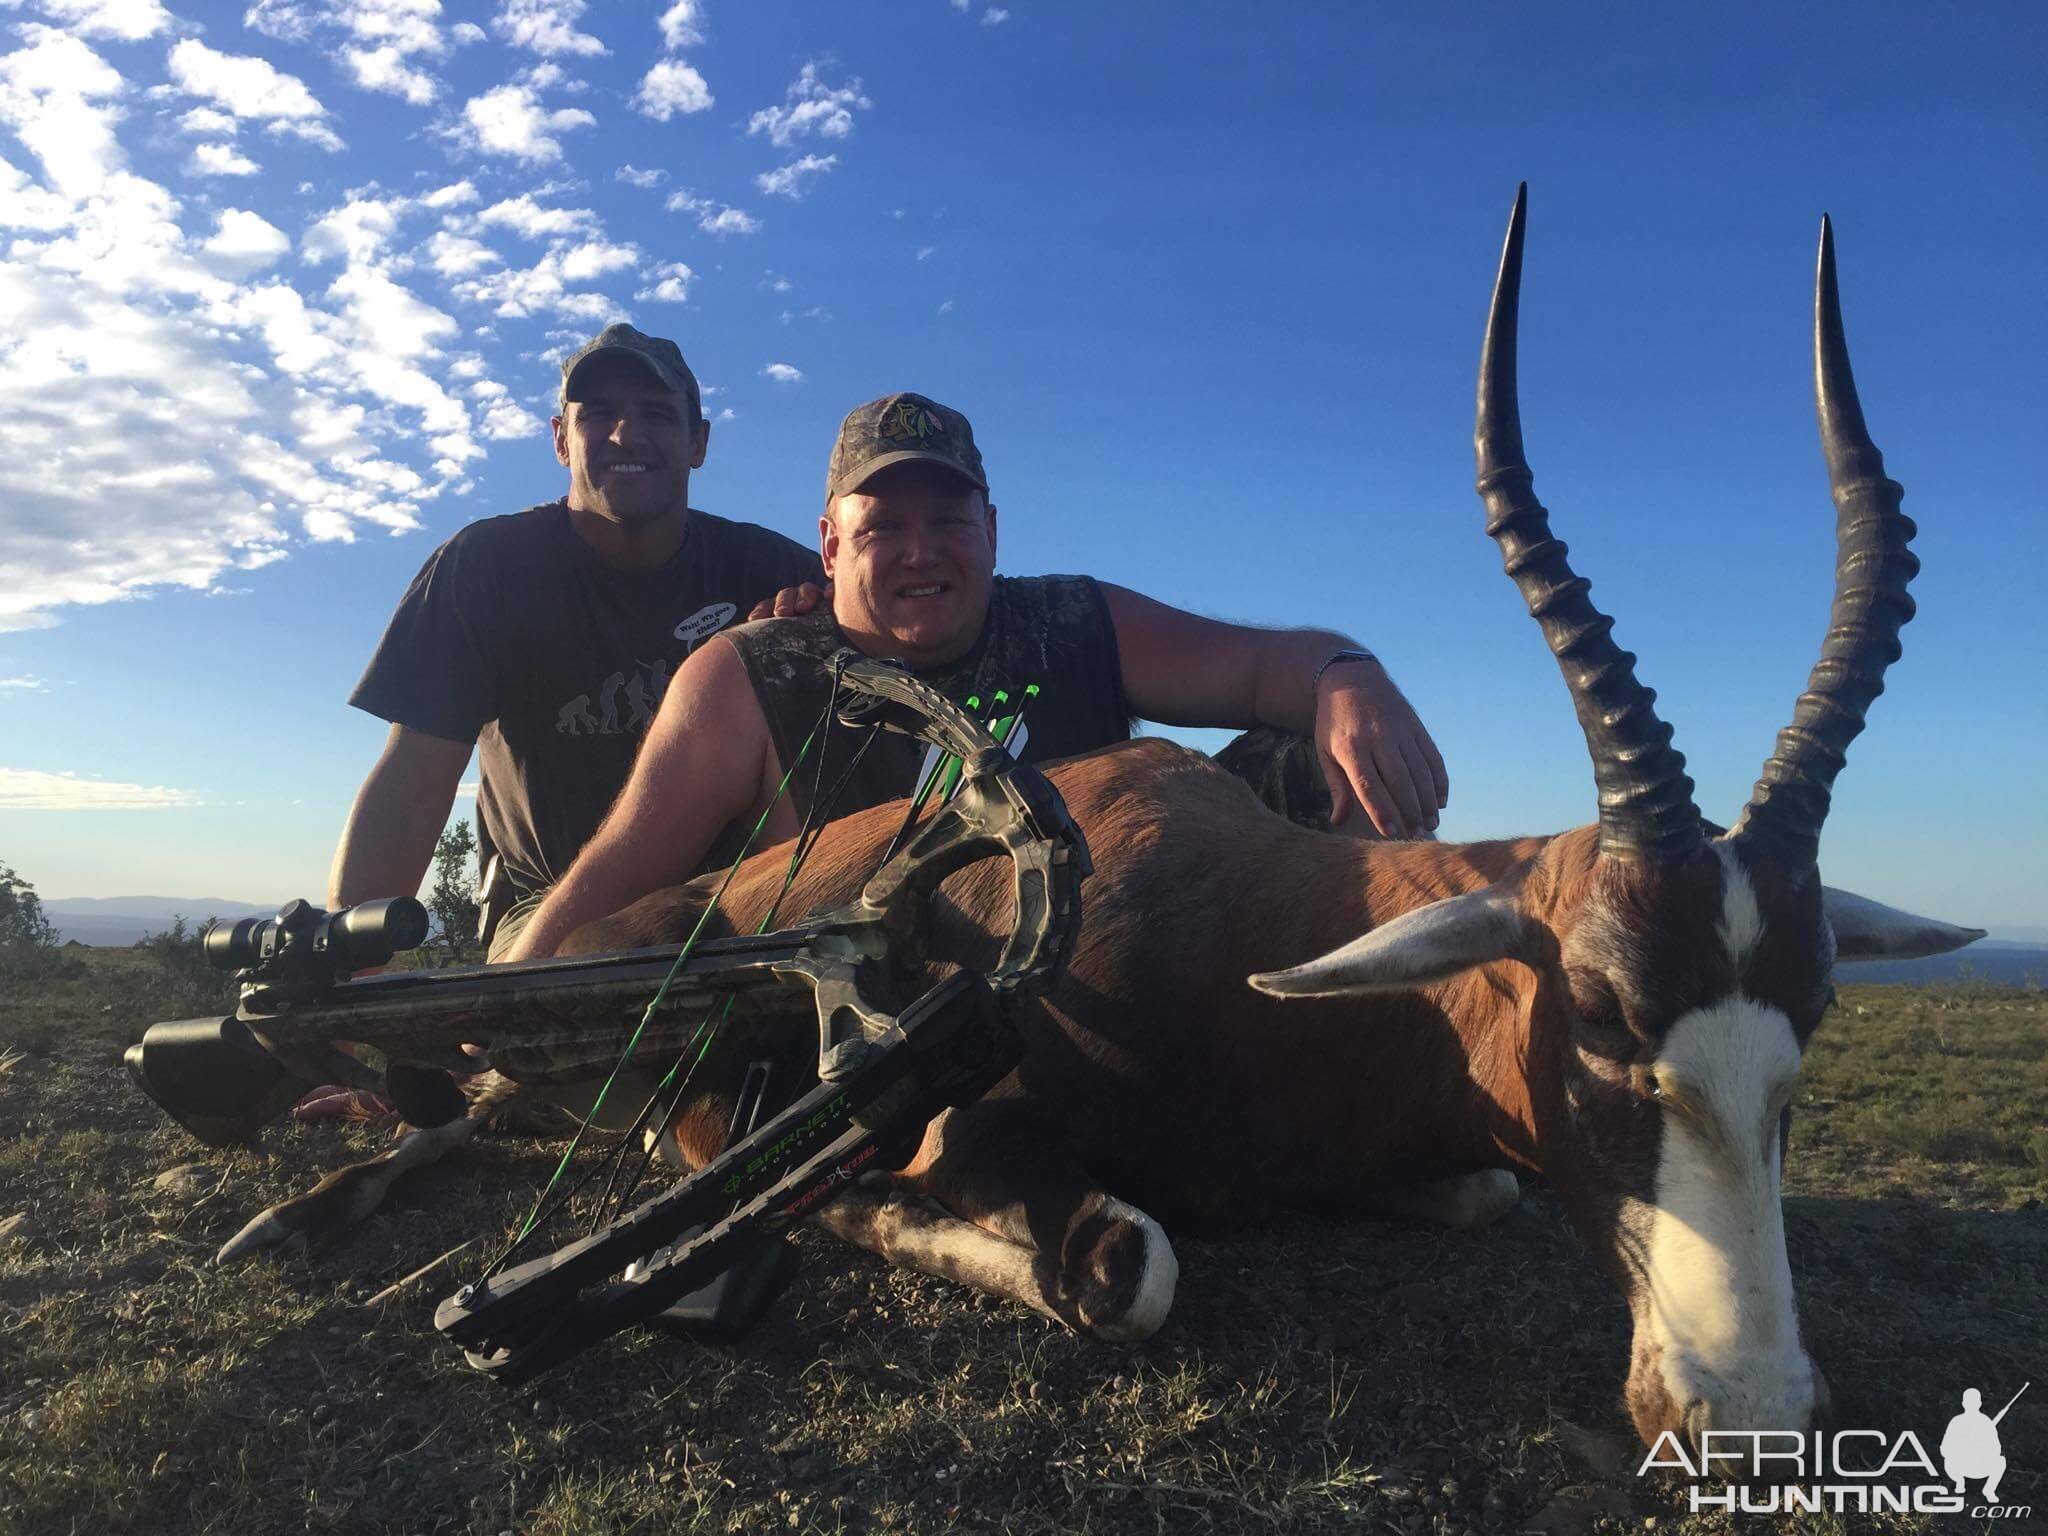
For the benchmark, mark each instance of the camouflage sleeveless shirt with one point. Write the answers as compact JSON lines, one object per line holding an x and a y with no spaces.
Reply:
{"x":1054,"y":631}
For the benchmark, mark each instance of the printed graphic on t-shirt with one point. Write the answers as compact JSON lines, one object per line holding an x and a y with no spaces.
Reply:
{"x":705,"y":623}
{"x":624,"y":704}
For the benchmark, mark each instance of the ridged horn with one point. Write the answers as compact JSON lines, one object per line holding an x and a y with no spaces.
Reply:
{"x":1646,"y":806}
{"x":1872,"y":569}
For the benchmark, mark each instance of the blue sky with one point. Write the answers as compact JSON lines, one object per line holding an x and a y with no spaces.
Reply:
{"x":282,"y":291}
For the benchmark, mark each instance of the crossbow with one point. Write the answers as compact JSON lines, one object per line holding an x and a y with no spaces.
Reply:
{"x":888,"y":1061}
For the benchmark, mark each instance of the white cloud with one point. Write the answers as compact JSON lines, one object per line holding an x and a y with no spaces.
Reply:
{"x":454,"y":195}
{"x":503,"y":417}
{"x":179,"y":420}
{"x":946,"y":308}
{"x":994,"y":16}
{"x":219,"y":160}
{"x":728,"y":221}
{"x":127,"y":21}
{"x":670,"y":285}
{"x":783,"y":373}
{"x":682,"y":25}
{"x":27,"y":683}
{"x":511,"y":121}
{"x":775,"y":282}
{"x":209,"y":123}
{"x":357,"y":231}
{"x":544,"y":288}
{"x":672,"y":87}
{"x":245,"y":242}
{"x":454,"y":255}
{"x":524,"y":216}
{"x":594,"y":258}
{"x":387,"y":39}
{"x":961,"y":5}
{"x":385,"y":69}
{"x":545,"y":26}
{"x":26,"y":789}
{"x":252,"y":88}
{"x":787,"y":180}
{"x":56,"y":94}
{"x":288,"y":21}
{"x":812,"y":107}
{"x":632,"y":176}
{"x":727,"y":414}
{"x":926,"y":252}
{"x":712,"y":217}
{"x":466,"y":32}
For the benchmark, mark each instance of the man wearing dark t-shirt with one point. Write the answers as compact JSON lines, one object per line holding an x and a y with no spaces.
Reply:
{"x":909,"y":541}
{"x":548,"y":637}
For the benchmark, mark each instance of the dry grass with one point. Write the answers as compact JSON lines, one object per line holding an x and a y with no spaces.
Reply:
{"x":1313,"y":1376}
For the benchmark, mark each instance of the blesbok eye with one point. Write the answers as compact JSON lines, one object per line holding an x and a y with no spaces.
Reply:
{"x":1598,"y":1024}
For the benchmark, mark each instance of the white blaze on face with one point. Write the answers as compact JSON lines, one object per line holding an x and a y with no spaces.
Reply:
{"x":1716,"y":1300}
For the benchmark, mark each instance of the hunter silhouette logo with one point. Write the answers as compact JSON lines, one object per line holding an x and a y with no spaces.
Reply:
{"x":1970,"y":1448}
{"x":1867,"y":1471}
{"x":906,"y":420}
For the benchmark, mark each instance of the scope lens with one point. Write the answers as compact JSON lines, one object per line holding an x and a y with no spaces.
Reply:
{"x":230,"y":946}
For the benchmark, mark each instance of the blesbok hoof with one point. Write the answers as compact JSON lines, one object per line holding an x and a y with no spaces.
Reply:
{"x":1474,"y":1200}
{"x":1122,"y":1271}
{"x":1466,"y":1201}
{"x":268,"y":1232}
{"x":346,"y":1196}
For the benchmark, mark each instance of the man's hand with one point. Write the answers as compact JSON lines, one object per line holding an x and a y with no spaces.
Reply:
{"x":790,"y":602}
{"x":1376,"y":754}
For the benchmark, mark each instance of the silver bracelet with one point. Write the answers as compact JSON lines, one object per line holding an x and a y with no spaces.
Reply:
{"x":1315,"y":686}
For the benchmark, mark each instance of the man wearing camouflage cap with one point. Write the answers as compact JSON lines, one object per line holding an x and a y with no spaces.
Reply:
{"x":909,"y":542}
{"x":548,"y":637}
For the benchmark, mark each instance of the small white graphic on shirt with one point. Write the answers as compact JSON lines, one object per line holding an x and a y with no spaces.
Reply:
{"x":705,"y":622}
{"x":625,"y":705}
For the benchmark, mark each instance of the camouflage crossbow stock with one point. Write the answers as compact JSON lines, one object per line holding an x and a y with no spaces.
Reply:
{"x":882,"y":1075}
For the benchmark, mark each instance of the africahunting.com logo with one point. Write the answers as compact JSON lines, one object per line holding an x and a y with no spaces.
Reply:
{"x":1770,"y":1471}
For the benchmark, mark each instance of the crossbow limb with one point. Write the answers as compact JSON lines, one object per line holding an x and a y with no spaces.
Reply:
{"x":886,"y":1067}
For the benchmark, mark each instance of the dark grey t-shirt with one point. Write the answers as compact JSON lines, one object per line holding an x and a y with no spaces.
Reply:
{"x":514,"y":634}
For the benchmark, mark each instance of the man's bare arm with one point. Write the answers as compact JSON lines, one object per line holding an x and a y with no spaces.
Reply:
{"x":701,"y":767}
{"x":1182,"y":669}
{"x":397,"y":818}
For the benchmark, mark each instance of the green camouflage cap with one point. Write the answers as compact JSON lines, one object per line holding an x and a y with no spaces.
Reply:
{"x":660,"y":356}
{"x":896,"y":429}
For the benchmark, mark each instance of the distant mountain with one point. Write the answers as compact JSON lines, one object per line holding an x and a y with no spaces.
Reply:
{"x":2010,"y":965}
{"x":2018,"y":933}
{"x":155,"y":906}
{"x":124,"y":919}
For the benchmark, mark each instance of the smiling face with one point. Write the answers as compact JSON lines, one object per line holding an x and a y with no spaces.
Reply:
{"x":630,"y":443}
{"x":911,"y":554}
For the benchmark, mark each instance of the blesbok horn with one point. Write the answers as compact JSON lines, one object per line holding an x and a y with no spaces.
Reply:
{"x":1646,"y":806}
{"x":1872,"y":569}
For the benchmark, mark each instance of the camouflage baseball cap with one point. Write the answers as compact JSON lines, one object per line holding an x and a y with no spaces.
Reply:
{"x":896,"y":429}
{"x":658,"y":354}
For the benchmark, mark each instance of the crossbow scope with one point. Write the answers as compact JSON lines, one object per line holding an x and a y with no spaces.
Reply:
{"x":304,"y":944}
{"x":211,"y":1075}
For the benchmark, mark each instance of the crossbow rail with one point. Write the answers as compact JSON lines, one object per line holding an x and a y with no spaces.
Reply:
{"x":561,"y":1020}
{"x":887,"y":1063}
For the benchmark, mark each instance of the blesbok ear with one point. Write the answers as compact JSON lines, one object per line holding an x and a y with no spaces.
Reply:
{"x":1415,"y":949}
{"x":1870,"y":930}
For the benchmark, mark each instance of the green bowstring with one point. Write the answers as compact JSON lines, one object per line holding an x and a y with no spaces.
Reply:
{"x":707,"y":1031}
{"x":661,"y":992}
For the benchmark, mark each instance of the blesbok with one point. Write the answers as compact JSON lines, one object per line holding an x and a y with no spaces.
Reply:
{"x":1620,"y":1008}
